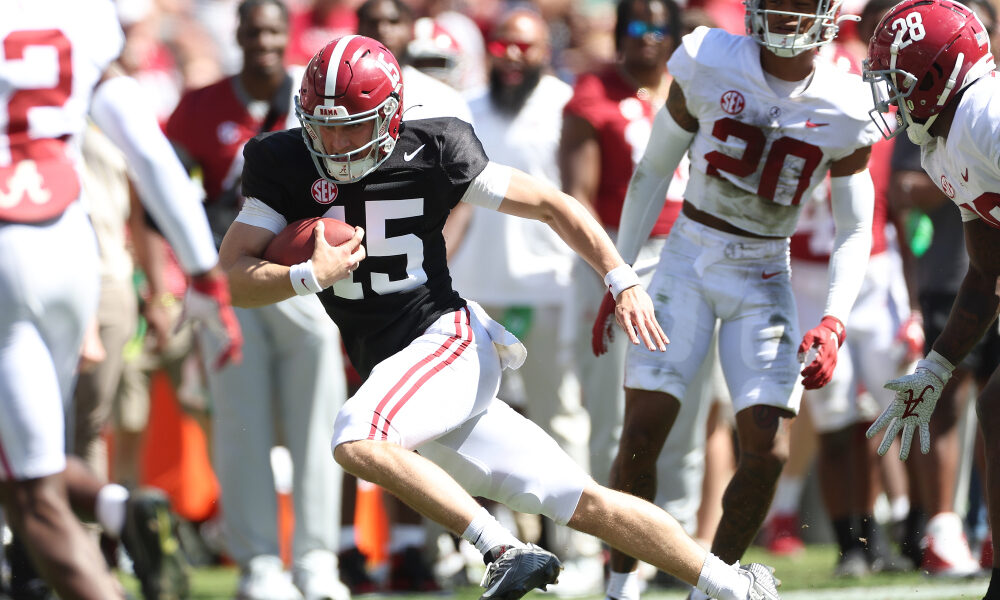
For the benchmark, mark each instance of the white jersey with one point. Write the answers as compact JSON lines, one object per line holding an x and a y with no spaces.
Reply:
{"x":966,"y":164}
{"x":506,"y":260}
{"x":427,"y":98}
{"x":52,"y":55}
{"x":758,"y":154}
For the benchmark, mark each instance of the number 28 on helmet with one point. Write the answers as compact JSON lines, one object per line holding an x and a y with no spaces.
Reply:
{"x":923,"y":53}
{"x":352,"y":90}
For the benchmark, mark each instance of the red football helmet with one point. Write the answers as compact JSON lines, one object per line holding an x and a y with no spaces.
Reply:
{"x":922,"y":54}
{"x":435,"y":51}
{"x":351,"y":81}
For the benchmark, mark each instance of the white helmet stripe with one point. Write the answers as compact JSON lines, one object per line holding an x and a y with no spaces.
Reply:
{"x":334,"y":66}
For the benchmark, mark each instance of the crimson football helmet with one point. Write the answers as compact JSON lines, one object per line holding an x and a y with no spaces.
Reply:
{"x":435,"y":51}
{"x":352,"y":81}
{"x":811,"y":29}
{"x":923,"y":53}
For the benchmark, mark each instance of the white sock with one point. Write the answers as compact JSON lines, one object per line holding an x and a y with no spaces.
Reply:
{"x":110,"y":509}
{"x":485,"y":532}
{"x":722,"y":581}
{"x":786,"y":497}
{"x":900,"y":508}
{"x":623,"y":586}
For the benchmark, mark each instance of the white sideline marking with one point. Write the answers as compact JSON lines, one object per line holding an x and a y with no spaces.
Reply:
{"x":931,"y":590}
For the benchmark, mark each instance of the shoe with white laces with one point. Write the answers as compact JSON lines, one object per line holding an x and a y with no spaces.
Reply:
{"x":946,"y":549}
{"x":318,"y":578}
{"x":513,"y":572}
{"x":763,"y":583}
{"x":265,"y":579}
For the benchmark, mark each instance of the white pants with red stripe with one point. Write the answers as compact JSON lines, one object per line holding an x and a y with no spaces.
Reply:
{"x":48,"y":294}
{"x":438,"y":396}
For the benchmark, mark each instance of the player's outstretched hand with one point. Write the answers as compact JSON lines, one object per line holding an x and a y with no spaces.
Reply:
{"x":603,"y":332}
{"x":825,"y":339}
{"x":634,"y":313}
{"x":333,"y":263}
{"x":207,"y":302}
{"x":916,"y":397}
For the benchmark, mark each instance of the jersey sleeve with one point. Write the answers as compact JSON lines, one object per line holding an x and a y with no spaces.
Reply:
{"x":683,"y":63}
{"x":107,"y":37}
{"x":587,"y":99}
{"x":258,"y":175}
{"x":462,"y":157}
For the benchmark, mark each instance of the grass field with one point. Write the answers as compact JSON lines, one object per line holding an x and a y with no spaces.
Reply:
{"x":805,"y":577}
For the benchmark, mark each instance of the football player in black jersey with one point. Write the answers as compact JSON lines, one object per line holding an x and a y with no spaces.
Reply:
{"x":426,"y":424}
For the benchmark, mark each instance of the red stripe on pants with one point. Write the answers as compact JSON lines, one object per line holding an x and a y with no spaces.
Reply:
{"x":376,"y":415}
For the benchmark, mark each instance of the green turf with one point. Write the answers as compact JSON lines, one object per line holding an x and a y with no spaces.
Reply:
{"x":802,"y":577}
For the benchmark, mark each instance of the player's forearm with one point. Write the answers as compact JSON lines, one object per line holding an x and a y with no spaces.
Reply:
{"x":581,"y":232}
{"x":256,"y":282}
{"x":974,"y":311}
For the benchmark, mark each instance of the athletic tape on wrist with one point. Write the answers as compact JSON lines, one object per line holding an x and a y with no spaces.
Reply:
{"x":620,"y":279}
{"x":937,"y":364}
{"x":303,"y":278}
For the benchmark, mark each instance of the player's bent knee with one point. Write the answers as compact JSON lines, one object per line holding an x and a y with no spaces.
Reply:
{"x":592,"y":508}
{"x":355,"y":457}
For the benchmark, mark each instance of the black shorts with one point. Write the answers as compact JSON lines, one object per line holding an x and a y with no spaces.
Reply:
{"x":985,"y":355}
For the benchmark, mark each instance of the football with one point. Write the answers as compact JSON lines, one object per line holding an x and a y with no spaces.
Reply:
{"x":294,"y":244}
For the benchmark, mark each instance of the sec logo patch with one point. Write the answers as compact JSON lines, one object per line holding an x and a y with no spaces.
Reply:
{"x":323,"y":191}
{"x":947,"y":188}
{"x":732,"y":102}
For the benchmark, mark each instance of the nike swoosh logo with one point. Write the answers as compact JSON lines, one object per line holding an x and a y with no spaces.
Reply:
{"x":965,"y":175}
{"x":304,"y":283}
{"x":811,"y":124}
{"x":408,"y":156}
{"x":766,"y":275}
{"x":496,"y":584}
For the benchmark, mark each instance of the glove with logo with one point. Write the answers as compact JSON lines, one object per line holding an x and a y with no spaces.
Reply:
{"x":826,"y":338}
{"x":604,"y":326}
{"x":207,"y":302}
{"x":916,"y":396}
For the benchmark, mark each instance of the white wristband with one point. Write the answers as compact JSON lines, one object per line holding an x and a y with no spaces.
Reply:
{"x":940,"y":366}
{"x":620,"y":279}
{"x":303,"y":278}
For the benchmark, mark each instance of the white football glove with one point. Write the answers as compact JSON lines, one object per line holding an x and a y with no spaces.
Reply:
{"x":916,"y":396}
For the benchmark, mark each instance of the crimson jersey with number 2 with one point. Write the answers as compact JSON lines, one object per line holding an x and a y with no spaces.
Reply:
{"x":758,"y":153}
{"x":52,"y":54}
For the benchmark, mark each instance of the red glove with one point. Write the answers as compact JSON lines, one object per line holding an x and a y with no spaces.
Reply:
{"x":911,"y":335}
{"x":207,"y":301}
{"x":604,"y":326}
{"x":826,"y":338}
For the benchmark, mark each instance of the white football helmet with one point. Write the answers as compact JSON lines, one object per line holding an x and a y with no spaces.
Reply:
{"x":811,"y":29}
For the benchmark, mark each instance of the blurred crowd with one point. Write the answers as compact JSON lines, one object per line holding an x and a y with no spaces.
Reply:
{"x":565,"y":90}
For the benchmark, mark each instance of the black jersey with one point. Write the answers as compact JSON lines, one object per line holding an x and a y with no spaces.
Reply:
{"x":403,"y":285}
